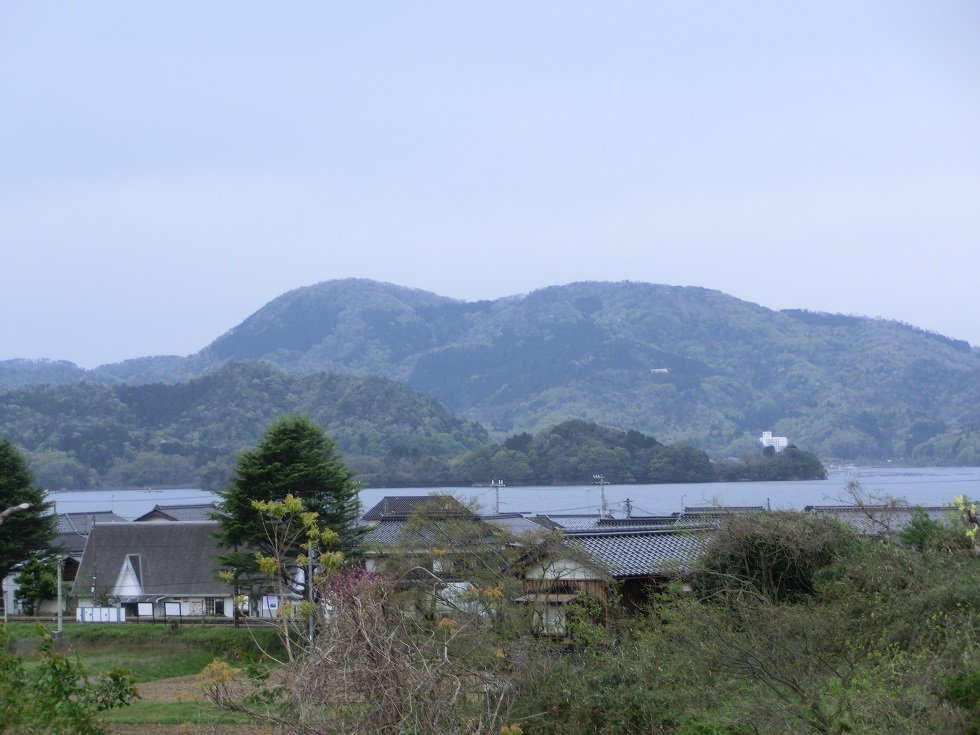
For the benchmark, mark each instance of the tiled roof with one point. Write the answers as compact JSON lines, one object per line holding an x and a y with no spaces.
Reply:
{"x":384,"y":533}
{"x":514,"y":523}
{"x":567,"y":523}
{"x":722,"y":509}
{"x":175,"y":558}
{"x":199,"y":512}
{"x":692,"y":516}
{"x":875,"y":520}
{"x":81,"y":523}
{"x":402,"y":506}
{"x":74,"y":528}
{"x":643,"y":553}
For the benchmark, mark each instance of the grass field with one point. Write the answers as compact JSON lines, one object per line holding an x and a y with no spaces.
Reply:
{"x":164,"y":662}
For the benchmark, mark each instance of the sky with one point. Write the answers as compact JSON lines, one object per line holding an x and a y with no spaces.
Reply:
{"x":166,"y":169}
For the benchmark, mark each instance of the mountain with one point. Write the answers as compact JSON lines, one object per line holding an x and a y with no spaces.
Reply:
{"x":682,"y":364}
{"x":82,"y":434}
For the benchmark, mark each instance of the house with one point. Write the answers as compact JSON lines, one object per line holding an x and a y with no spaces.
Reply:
{"x":388,"y":524}
{"x":622,"y":554}
{"x":153,"y":569}
{"x":634,"y":555}
{"x":429,"y":544}
{"x":73,"y":531}
{"x":561,"y":558}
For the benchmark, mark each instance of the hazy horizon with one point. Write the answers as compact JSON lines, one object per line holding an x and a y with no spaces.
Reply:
{"x":169,"y":169}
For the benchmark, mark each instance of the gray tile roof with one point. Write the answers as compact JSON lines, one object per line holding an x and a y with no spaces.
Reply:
{"x":384,"y":533}
{"x":81,"y":523}
{"x":722,"y":509}
{"x":176,"y":559}
{"x":592,"y":522}
{"x":567,"y":522}
{"x":643,"y":553}
{"x":74,"y":528}
{"x":402,"y":506}
{"x":514,"y":523}
{"x":875,"y":520}
{"x":198,"y":512}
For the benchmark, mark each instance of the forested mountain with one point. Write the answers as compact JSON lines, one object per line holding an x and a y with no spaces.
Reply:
{"x":83,"y":435}
{"x":682,"y":364}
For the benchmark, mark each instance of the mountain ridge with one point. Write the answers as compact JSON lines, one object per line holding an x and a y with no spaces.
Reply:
{"x":681,"y":363}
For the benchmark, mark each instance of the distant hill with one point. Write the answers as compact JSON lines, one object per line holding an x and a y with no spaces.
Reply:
{"x":679,"y":363}
{"x":83,"y":435}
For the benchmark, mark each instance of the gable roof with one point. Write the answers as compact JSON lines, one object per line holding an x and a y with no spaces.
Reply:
{"x":171,"y":558}
{"x":196,"y":512}
{"x":402,"y":506}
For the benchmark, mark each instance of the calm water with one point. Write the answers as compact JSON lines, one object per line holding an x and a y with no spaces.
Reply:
{"x":920,"y":486}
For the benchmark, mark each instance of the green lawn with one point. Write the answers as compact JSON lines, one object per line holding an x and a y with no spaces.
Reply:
{"x":172,"y":713}
{"x":152,"y":653}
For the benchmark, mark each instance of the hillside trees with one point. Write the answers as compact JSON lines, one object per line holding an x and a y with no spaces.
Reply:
{"x":572,"y":451}
{"x":188,"y":434}
{"x":684,"y":364}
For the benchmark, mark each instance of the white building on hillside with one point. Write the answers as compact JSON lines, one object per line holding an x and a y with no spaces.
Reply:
{"x":779,"y":443}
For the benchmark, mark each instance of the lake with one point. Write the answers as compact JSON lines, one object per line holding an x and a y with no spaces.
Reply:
{"x":917,"y":485}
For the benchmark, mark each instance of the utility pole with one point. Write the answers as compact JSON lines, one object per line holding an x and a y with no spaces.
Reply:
{"x":314,"y":609}
{"x":61,"y":607}
{"x":497,"y":484}
{"x":600,"y":480}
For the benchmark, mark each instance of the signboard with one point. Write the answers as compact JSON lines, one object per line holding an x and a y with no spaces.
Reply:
{"x":144,"y":609}
{"x":100,"y":615}
{"x":270,"y":606}
{"x":172,"y":609}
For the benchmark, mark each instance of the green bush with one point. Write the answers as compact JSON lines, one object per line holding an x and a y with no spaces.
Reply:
{"x":57,"y":696}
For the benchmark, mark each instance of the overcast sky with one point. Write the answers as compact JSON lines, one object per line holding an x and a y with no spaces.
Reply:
{"x":168,"y":168}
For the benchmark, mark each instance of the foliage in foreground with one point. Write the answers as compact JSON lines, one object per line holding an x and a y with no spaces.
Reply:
{"x":787,"y":634}
{"x":57,"y":697}
{"x":789,"y":624}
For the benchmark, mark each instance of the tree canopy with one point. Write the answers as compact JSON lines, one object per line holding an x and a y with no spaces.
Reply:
{"x":29,"y":533}
{"x":295,"y":457}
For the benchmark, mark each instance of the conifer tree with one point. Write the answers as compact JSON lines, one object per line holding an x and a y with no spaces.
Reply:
{"x":294,"y":457}
{"x":29,"y":533}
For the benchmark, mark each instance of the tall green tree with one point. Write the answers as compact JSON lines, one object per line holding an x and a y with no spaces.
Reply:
{"x":295,"y":457}
{"x":28,"y":533}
